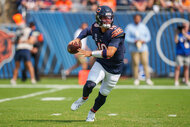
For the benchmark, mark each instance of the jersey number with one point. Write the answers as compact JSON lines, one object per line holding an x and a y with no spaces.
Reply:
{"x":101,"y":46}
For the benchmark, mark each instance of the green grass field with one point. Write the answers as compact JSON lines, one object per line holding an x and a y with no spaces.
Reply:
{"x":22,"y":106}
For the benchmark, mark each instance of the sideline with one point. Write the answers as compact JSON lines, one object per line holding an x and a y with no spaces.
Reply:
{"x":56,"y":87}
{"x":76,"y":86}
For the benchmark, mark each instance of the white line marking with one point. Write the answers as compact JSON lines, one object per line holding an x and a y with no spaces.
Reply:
{"x":53,"y":98}
{"x":172,"y":115}
{"x":98,"y":86}
{"x":56,"y":114}
{"x":30,"y":95}
{"x":61,"y":87}
{"x":112,"y":114}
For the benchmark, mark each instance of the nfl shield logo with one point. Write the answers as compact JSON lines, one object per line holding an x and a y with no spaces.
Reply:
{"x":6,"y":48}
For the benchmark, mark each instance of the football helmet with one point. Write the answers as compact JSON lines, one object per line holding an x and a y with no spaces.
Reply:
{"x":104,"y":16}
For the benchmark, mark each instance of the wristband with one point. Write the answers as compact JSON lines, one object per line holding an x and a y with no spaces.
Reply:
{"x":104,"y":53}
{"x":97,"y":53}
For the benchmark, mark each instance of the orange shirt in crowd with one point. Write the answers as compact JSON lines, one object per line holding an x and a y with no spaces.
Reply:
{"x":186,"y":3}
{"x":64,"y":5}
{"x":109,"y":3}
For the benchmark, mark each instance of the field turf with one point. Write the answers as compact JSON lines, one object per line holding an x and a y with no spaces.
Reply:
{"x":22,"y":105}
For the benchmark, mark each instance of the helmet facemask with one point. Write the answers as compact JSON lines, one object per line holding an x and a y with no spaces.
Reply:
{"x":107,"y":21}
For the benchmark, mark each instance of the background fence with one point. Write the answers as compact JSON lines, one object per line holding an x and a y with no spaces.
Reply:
{"x":58,"y":29}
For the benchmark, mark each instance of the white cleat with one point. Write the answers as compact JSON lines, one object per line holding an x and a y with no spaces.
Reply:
{"x":90,"y":117}
{"x":33,"y":81}
{"x":78,"y":103}
{"x":176,"y":83}
{"x":136,"y":82}
{"x":187,"y":83}
{"x":13,"y":82}
{"x":149,"y":82}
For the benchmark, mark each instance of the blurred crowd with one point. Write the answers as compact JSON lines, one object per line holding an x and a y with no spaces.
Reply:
{"x":10,"y":7}
{"x":116,"y":5}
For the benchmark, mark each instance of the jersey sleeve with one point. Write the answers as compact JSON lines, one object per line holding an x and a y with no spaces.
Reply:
{"x":115,"y":42}
{"x":116,"y":35}
{"x":85,"y":33}
{"x":117,"y":32}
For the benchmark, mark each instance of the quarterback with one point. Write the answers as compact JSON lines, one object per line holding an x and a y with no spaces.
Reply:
{"x":109,"y":58}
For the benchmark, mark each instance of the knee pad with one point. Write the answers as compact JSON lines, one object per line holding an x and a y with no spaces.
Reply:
{"x":89,"y":85}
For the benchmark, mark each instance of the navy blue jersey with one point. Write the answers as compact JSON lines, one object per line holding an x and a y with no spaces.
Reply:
{"x":114,"y":36}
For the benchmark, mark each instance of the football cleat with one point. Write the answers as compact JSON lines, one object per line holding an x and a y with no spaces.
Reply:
{"x":187,"y":83}
{"x":149,"y":82}
{"x":33,"y":81}
{"x":13,"y":82}
{"x":78,"y":103}
{"x":90,"y":117}
{"x":176,"y":83}
{"x":136,"y":82}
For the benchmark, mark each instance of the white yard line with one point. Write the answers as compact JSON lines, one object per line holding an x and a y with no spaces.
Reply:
{"x":57,"y":87}
{"x":30,"y":95}
{"x":74,"y":86}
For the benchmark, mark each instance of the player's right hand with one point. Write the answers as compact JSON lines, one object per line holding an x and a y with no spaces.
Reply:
{"x":84,"y":52}
{"x":77,"y":40}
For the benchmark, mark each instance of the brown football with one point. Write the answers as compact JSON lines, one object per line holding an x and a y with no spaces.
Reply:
{"x":73,"y":48}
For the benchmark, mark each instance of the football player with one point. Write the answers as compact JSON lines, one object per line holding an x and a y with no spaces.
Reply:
{"x":110,"y":54}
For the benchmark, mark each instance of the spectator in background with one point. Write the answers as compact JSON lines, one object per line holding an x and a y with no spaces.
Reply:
{"x":122,"y":5}
{"x":81,"y":60}
{"x":154,"y":5}
{"x":92,"y":5}
{"x":46,"y":4}
{"x":140,"y":5}
{"x":7,"y":9}
{"x":37,"y":38}
{"x":182,"y":40}
{"x":137,"y":36}
{"x":28,"y":5}
{"x":24,"y":46}
{"x":78,"y":5}
{"x":109,"y":3}
{"x":170,"y":5}
{"x":185,"y":5}
{"x":63,"y":5}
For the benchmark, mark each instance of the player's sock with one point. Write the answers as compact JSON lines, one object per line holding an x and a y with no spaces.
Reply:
{"x":84,"y":98}
{"x":100,"y":100}
{"x":92,"y":110}
{"x":87,"y":89}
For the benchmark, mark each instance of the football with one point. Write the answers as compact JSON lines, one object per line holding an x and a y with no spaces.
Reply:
{"x":73,"y":48}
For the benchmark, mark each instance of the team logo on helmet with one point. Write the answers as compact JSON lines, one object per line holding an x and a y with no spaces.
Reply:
{"x":98,"y":10}
{"x":6,"y":48}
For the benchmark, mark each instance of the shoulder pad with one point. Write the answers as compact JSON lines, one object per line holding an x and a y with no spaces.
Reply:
{"x":117,"y":32}
{"x":96,"y":25}
{"x":113,"y":27}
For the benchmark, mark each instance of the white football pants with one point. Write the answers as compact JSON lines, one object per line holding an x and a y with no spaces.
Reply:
{"x":98,"y":73}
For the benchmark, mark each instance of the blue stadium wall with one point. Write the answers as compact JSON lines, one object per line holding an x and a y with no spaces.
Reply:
{"x":58,"y":29}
